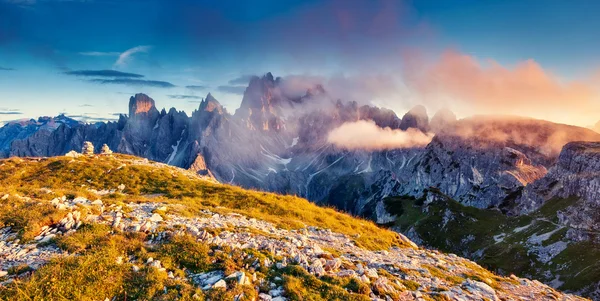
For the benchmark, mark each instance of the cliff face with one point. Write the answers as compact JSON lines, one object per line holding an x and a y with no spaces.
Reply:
{"x":575,"y":175}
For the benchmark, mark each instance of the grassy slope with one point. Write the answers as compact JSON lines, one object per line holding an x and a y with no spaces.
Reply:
{"x":95,"y":274}
{"x":471,"y":231}
{"x":143,"y":183}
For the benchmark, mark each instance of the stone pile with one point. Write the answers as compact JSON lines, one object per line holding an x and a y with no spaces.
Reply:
{"x":105,"y":150}
{"x":88,"y":148}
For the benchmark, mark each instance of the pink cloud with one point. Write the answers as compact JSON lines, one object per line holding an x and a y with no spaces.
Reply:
{"x":526,"y":89}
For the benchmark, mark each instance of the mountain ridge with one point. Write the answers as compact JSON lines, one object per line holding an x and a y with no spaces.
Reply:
{"x":280,"y":144}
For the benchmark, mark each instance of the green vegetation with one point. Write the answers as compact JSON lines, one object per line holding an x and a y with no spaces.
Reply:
{"x":499,"y":242}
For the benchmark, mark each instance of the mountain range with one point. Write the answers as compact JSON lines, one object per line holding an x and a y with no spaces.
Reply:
{"x":457,"y":175}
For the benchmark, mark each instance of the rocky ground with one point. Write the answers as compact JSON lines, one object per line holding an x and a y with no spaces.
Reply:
{"x":397,"y":274}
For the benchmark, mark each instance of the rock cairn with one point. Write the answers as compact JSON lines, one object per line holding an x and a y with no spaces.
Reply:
{"x":88,"y":148}
{"x":105,"y":150}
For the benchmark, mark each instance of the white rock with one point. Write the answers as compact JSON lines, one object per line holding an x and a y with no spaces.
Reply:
{"x":156,"y":218}
{"x":220,"y":284}
{"x":264,"y":297}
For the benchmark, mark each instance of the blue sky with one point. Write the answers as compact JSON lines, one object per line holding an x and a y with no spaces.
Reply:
{"x":56,"y":55}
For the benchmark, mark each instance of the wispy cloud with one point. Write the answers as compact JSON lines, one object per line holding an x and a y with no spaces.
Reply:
{"x":242,"y":80}
{"x":232,"y":89}
{"x":6,"y":69}
{"x":126,"y":56}
{"x":104,"y":73}
{"x":196,"y":87}
{"x":89,"y":117}
{"x":184,"y":96}
{"x":6,"y":111}
{"x":86,"y":105}
{"x":134,"y":82}
{"x":99,"y":53}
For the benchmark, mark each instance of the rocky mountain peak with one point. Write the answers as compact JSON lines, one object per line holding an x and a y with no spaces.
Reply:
{"x":415,"y":118}
{"x":141,"y":104}
{"x":210,"y":104}
{"x":442,"y":119}
{"x":261,"y":105}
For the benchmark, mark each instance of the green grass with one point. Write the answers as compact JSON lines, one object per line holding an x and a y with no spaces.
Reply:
{"x":579,"y":264}
{"x":471,"y":229}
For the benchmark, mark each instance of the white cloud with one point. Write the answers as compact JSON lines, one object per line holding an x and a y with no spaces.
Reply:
{"x":365,"y":134}
{"x":100,"y":53}
{"x":126,"y":56}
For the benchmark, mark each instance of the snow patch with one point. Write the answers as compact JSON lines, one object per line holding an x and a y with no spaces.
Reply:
{"x":175,"y":148}
{"x":275,"y":157}
{"x":500,"y":237}
{"x":519,"y":229}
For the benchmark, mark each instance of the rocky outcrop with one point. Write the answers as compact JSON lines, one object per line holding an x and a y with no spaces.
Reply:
{"x":575,"y":175}
{"x":199,"y":167}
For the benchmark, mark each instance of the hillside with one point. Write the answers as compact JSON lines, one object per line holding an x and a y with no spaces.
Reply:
{"x":124,"y":228}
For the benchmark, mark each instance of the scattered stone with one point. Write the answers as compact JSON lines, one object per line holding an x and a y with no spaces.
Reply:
{"x":302,"y":247}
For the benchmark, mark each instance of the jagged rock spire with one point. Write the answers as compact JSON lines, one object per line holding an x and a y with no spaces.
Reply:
{"x":210,"y":104}
{"x":141,"y":104}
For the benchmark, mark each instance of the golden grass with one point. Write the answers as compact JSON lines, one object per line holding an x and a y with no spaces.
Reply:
{"x":161,"y":183}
